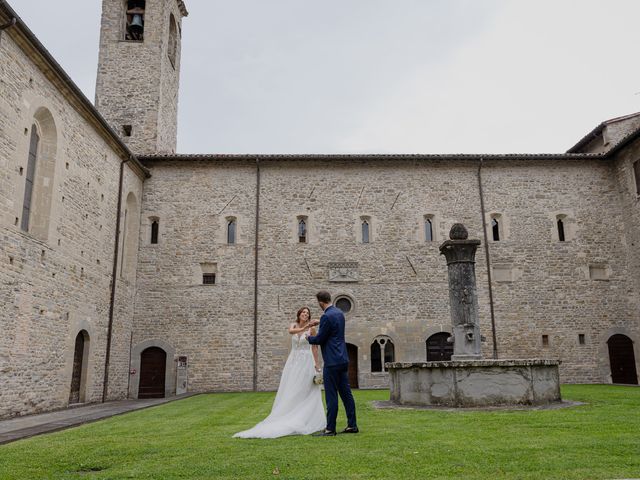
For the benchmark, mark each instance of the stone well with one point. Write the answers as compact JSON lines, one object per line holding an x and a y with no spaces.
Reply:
{"x":475,"y":383}
{"x":468,"y":380}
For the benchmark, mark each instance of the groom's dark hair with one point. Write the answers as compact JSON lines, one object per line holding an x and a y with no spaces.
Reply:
{"x":323,"y":296}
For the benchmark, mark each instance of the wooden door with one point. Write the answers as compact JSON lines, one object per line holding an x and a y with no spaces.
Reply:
{"x":438,"y":349}
{"x":622,"y":360}
{"x":76,"y":376}
{"x":352,"y":350}
{"x":153,"y":364}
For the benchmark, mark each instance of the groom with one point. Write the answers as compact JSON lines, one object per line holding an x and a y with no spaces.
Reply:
{"x":330,"y":337}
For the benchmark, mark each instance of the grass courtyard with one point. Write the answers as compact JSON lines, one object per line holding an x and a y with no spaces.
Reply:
{"x":191,"y":439}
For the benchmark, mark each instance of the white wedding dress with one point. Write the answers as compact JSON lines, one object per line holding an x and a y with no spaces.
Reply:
{"x":297,"y":409}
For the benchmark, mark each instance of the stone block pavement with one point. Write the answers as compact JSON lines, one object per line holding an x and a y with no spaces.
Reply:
{"x":23,"y":427}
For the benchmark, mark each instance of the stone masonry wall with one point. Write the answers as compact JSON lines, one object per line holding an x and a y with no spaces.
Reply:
{"x":56,"y":285}
{"x":211,"y":324}
{"x":630,"y":218}
{"x":541,"y":286}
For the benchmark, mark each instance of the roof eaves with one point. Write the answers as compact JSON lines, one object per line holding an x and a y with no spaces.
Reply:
{"x":300,"y":157}
{"x":587,"y":138}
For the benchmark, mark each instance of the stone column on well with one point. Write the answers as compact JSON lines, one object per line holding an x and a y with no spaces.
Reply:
{"x":460,"y":254}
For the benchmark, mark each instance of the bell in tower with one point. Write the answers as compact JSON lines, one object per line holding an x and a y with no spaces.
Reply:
{"x":135,"y":20}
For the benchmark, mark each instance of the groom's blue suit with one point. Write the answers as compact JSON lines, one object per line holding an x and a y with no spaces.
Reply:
{"x":330,"y":337}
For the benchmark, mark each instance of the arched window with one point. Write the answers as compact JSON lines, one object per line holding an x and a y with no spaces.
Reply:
{"x":560,"y":224}
{"x":365,"y":231}
{"x":134,"y":18}
{"x":564,"y":227}
{"x":155,"y":228}
{"x":231,"y":231}
{"x":376,"y":357}
{"x":31,"y":173}
{"x":173,"y":40}
{"x":130,"y":230}
{"x":428,"y":229}
{"x":495,"y":229}
{"x":40,"y":171}
{"x":302,"y":230}
{"x":382,"y":351}
{"x":389,"y":353}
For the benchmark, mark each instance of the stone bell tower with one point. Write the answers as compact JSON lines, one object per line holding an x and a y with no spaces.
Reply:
{"x":139,"y":71}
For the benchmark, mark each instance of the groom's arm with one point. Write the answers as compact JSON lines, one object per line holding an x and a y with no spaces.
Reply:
{"x":323,"y":332}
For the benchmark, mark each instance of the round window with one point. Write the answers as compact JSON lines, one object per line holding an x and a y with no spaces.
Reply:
{"x":344,"y":304}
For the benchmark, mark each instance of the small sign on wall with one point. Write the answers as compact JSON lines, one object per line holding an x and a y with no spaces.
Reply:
{"x":181,"y":374}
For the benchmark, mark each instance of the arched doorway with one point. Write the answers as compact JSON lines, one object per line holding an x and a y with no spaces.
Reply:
{"x":79,"y":371}
{"x":438,"y":348}
{"x":153,"y":365}
{"x":352,"y":350}
{"x":622,"y":360}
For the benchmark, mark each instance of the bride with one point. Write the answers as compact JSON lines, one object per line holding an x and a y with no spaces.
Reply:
{"x":297,"y":409}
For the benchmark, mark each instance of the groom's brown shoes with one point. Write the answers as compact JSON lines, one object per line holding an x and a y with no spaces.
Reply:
{"x":324,"y":433}
{"x":350,"y":430}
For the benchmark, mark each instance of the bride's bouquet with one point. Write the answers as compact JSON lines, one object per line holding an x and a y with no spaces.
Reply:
{"x":317,"y":379}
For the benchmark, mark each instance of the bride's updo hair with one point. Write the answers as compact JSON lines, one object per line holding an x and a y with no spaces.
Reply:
{"x":300,"y":313}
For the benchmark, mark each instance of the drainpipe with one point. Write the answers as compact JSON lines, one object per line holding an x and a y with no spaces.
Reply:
{"x":114,"y":272}
{"x":488,"y":257}
{"x":255,"y":281}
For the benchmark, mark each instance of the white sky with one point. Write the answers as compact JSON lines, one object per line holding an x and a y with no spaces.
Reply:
{"x":382,"y":76}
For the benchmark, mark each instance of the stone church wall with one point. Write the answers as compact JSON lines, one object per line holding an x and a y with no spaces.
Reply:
{"x":57,"y":282}
{"x":541,"y":286}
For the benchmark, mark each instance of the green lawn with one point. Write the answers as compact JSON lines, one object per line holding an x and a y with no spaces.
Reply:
{"x":191,"y":439}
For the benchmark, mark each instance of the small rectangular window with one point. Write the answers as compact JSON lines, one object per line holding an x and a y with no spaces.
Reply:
{"x":545,"y":340}
{"x":302,"y":230}
{"x":428,"y":230}
{"x":208,"y":278}
{"x":154,"y":231}
{"x":231,"y":231}
{"x":127,"y":130}
{"x":495,"y":230}
{"x":581,"y":339}
{"x":365,"y":232}
{"x":636,"y":173}
{"x":561,"y":230}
